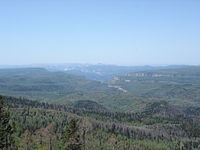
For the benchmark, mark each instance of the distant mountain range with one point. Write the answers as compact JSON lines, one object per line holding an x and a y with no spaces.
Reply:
{"x":98,"y":72}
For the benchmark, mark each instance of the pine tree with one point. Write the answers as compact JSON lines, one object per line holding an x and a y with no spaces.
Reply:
{"x":6,"y":129}
{"x":72,"y":138}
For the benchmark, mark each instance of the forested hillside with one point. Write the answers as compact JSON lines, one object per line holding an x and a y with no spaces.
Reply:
{"x":129,"y":93}
{"x":179,"y":86}
{"x":155,"y":110}
{"x":40,"y":84}
{"x":160,"y":126}
{"x":99,"y":75}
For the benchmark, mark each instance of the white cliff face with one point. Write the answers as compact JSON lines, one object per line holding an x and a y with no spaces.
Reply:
{"x":156,"y":75}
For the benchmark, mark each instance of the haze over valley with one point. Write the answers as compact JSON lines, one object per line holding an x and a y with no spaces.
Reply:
{"x":100,"y":75}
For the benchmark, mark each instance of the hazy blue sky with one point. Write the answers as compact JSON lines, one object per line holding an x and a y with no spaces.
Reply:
{"x":127,"y":32}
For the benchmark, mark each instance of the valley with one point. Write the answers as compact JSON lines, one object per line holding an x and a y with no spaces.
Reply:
{"x":157,"y":109}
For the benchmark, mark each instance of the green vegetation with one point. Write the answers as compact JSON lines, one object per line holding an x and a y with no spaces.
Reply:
{"x":156,"y":110}
{"x":40,"y":84}
{"x":6,"y":127}
{"x":87,"y":104}
{"x":72,"y":137}
{"x":49,"y":126}
{"x":178,"y":86}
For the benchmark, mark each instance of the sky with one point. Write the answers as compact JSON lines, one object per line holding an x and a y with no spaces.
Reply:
{"x":122,"y":32}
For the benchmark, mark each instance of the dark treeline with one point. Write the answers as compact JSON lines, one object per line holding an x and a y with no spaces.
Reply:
{"x":158,"y":122}
{"x":158,"y":112}
{"x":114,"y":116}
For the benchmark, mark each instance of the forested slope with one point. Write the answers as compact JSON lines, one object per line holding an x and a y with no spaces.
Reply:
{"x":160,"y":126}
{"x":178,"y":86}
{"x":40,"y":84}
